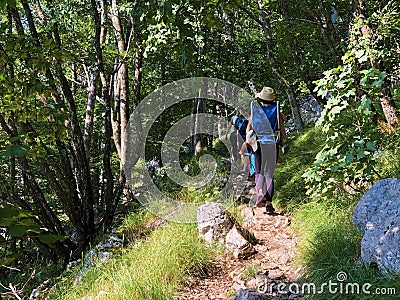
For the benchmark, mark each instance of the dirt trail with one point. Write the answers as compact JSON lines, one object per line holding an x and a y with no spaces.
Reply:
{"x":272,"y":264}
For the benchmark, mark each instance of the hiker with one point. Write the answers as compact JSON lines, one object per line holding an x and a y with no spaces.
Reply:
{"x":237,"y":126}
{"x":266,"y":121}
{"x":247,"y":153}
{"x":152,"y":167}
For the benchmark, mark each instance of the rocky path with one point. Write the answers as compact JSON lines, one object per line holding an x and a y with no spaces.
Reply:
{"x":271,"y":268}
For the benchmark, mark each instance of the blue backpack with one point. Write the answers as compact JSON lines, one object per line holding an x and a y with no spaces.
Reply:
{"x":241,"y":124}
{"x":265,"y":121}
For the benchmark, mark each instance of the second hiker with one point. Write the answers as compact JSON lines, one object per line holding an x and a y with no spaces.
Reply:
{"x":266,"y":121}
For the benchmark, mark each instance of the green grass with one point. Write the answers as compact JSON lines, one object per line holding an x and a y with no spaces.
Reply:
{"x":251,"y":270}
{"x":290,"y":188}
{"x":134,"y":227}
{"x":389,"y":159}
{"x":330,"y":244}
{"x":329,"y":241}
{"x":155,"y":269}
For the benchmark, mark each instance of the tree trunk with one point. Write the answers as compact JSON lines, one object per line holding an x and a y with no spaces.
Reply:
{"x":47,"y":216}
{"x":108,"y":132}
{"x":136,"y":89}
{"x":138,"y":62}
{"x":90,"y":111}
{"x":389,"y":109}
{"x":197,"y":109}
{"x":81,"y":161}
{"x":121,"y":84}
{"x":387,"y":103}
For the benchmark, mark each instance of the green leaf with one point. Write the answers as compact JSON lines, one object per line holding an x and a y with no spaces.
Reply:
{"x":368,"y":170}
{"x":363,"y":58}
{"x":377,"y":83}
{"x":18,"y":230}
{"x":370,"y":146}
{"x":8,"y":211}
{"x":336,"y":110}
{"x":359,"y":143}
{"x":51,"y":238}
{"x":3,"y":5}
{"x":364,"y":81}
{"x":7,"y":222}
{"x":361,"y":154}
{"x":15,"y":150}
{"x":346,"y":59}
{"x":12,"y":3}
{"x":340,"y":84}
{"x":349,"y":158}
{"x":360,"y":53}
{"x":350,"y":92}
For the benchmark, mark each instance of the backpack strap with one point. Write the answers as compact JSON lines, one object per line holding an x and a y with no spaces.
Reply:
{"x":238,"y":122}
{"x":278,"y":115}
{"x":278,"y":109}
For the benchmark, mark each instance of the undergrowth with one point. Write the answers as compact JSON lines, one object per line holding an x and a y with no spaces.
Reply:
{"x":330,"y":248}
{"x":290,"y":189}
{"x":153,"y":268}
{"x":329,"y":242}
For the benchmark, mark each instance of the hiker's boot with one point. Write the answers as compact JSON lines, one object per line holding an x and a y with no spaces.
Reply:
{"x":269,"y":209}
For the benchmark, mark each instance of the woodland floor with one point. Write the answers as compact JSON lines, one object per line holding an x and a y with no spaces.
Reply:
{"x":273,"y":262}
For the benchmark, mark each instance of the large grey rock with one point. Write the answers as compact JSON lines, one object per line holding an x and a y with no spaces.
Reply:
{"x":212,"y":222}
{"x":238,"y":244}
{"x":377,"y":217}
{"x":310,"y":111}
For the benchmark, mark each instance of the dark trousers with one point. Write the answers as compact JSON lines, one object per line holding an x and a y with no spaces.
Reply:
{"x":234,"y":142}
{"x":266,"y":156}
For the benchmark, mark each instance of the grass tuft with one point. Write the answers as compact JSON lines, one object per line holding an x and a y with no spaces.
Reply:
{"x":154,"y":269}
{"x":290,"y":186}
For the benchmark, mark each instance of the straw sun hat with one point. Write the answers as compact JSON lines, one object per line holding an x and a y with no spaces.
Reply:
{"x":266,"y":93}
